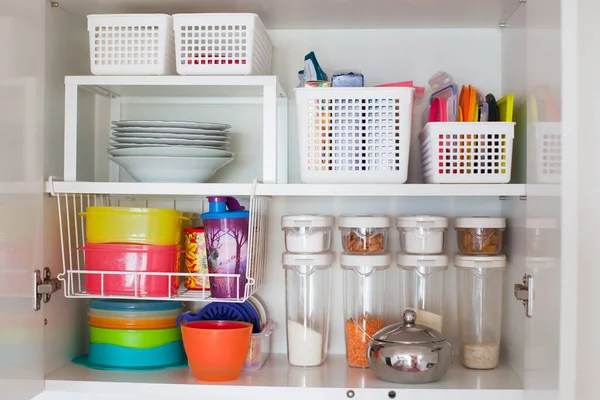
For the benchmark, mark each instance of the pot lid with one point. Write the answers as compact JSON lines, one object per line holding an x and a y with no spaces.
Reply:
{"x":409,"y":332}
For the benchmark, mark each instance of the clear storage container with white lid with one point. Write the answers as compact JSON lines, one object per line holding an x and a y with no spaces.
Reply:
{"x":480,"y":291}
{"x":308,"y":289}
{"x":480,"y":235}
{"x":307,"y":233}
{"x":423,"y":283}
{"x":364,"y":302}
{"x":422,"y":234}
{"x":364,"y":233}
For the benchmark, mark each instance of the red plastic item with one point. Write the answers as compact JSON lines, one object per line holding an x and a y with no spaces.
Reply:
{"x":131,"y":258}
{"x":216,"y":350}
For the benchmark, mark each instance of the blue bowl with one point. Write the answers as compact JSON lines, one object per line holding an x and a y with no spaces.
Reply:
{"x":109,"y":355}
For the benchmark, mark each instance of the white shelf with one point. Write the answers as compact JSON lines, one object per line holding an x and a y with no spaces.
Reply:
{"x":208,"y":86}
{"x":296,"y":190}
{"x":278,"y":380}
{"x":350,"y":14}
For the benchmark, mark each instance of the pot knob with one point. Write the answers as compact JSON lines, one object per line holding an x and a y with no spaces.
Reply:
{"x":409,"y":317}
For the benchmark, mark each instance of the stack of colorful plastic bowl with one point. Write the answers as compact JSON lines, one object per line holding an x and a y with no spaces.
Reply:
{"x":134,"y":335}
{"x":127,"y":242}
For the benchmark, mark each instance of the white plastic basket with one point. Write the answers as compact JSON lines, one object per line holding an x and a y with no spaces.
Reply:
{"x":544,"y":148}
{"x":131,"y":44}
{"x":467,"y":152}
{"x":222,"y":44}
{"x":354,"y":135}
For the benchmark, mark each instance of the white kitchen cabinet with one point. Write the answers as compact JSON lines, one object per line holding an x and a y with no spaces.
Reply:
{"x":544,"y":45}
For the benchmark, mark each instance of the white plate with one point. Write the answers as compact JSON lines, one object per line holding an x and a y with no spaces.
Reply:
{"x":158,"y":135}
{"x":222,"y":146}
{"x":163,"y":141}
{"x":173,"y":124}
{"x":260,"y":308}
{"x":171,"y":169}
{"x":189,"y":131}
{"x":170,"y":152}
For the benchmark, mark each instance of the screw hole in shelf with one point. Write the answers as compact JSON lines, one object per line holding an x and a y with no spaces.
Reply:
{"x":392,"y":394}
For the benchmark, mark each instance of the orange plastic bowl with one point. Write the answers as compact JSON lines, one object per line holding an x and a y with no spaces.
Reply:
{"x":216,"y":350}
{"x":132,"y":324}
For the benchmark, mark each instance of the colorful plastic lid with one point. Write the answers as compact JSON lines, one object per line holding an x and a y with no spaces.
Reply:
{"x":134,"y":305}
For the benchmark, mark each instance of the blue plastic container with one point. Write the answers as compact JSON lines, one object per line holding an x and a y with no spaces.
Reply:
{"x":108,"y":355}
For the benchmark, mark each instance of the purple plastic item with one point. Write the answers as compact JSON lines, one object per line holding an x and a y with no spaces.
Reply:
{"x":226,"y":232}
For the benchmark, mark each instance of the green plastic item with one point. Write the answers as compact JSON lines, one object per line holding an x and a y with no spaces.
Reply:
{"x":138,"y":339}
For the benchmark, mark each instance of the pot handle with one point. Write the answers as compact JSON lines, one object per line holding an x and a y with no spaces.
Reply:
{"x":451,"y":350}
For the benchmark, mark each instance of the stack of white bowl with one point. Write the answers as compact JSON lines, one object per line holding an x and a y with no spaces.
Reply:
{"x":170,"y":151}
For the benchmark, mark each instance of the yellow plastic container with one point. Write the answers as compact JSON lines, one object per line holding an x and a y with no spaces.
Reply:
{"x":156,"y":226}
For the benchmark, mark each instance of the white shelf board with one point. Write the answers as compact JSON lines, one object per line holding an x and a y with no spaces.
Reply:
{"x":347,"y":14}
{"x":295,"y":190}
{"x":278,"y":380}
{"x":211,"y":86}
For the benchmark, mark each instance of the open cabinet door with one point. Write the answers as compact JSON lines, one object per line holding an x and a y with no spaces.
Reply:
{"x":543,"y":244}
{"x":21,"y":195}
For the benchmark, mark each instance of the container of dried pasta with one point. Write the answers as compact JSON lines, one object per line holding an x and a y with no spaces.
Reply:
{"x":480,"y":235}
{"x":363,"y":234}
{"x":479,"y":280}
{"x":364,"y":302}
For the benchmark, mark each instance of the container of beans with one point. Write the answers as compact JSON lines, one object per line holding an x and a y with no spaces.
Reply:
{"x":480,"y":235}
{"x":364,"y":233}
{"x":364,"y":302}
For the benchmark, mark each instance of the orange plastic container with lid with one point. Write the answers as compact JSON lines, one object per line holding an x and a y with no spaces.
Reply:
{"x":216,"y":350}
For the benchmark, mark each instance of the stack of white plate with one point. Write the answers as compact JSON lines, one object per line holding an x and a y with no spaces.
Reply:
{"x":170,"y":151}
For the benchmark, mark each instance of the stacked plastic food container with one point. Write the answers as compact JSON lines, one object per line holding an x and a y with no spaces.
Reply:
{"x":125,"y":243}
{"x":480,"y":269}
{"x":134,"y":335}
{"x":364,"y":263}
{"x":423,"y":264}
{"x":307,"y":263}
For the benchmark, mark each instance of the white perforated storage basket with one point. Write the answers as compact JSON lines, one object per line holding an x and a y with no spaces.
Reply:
{"x":467,"y":152}
{"x":354,"y":135}
{"x":544,"y":148}
{"x":221,"y":44}
{"x":131,"y":44}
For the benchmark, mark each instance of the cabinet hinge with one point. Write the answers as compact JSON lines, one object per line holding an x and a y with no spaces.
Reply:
{"x":524,"y":293}
{"x":44,"y":286}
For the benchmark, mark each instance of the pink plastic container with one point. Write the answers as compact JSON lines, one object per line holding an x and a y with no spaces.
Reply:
{"x":131,"y":259}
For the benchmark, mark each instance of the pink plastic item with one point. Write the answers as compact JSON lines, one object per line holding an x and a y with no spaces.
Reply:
{"x":419,"y":90}
{"x":131,"y":259}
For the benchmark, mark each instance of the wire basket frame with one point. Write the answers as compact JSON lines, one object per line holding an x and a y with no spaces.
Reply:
{"x":72,"y":235}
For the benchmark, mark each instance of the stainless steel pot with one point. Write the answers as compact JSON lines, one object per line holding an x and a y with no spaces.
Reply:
{"x":409,"y":353}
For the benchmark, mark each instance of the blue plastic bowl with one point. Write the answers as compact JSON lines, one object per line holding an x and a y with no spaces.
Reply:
{"x":109,"y":355}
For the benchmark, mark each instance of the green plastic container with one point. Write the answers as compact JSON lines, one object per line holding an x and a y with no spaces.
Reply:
{"x":135,"y":339}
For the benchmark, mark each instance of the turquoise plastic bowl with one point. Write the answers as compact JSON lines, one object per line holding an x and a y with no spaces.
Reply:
{"x":109,"y":355}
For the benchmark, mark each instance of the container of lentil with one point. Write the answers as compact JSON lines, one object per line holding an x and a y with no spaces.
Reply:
{"x":364,"y":302}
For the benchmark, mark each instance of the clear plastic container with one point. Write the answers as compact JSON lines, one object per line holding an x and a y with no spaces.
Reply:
{"x":480,"y":290}
{"x":307,"y":233}
{"x":480,"y":235}
{"x":364,"y":233}
{"x":422,"y":234}
{"x":542,"y":237}
{"x":364,"y":302}
{"x":423,"y":282}
{"x":308,"y":291}
{"x":260,"y":347}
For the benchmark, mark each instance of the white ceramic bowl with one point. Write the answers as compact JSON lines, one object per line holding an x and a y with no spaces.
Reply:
{"x":171,"y":169}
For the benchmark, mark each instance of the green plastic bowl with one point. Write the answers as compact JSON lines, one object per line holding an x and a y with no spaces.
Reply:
{"x":138,"y":339}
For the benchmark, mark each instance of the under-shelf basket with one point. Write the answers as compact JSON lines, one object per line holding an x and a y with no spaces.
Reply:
{"x":72,"y":234}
